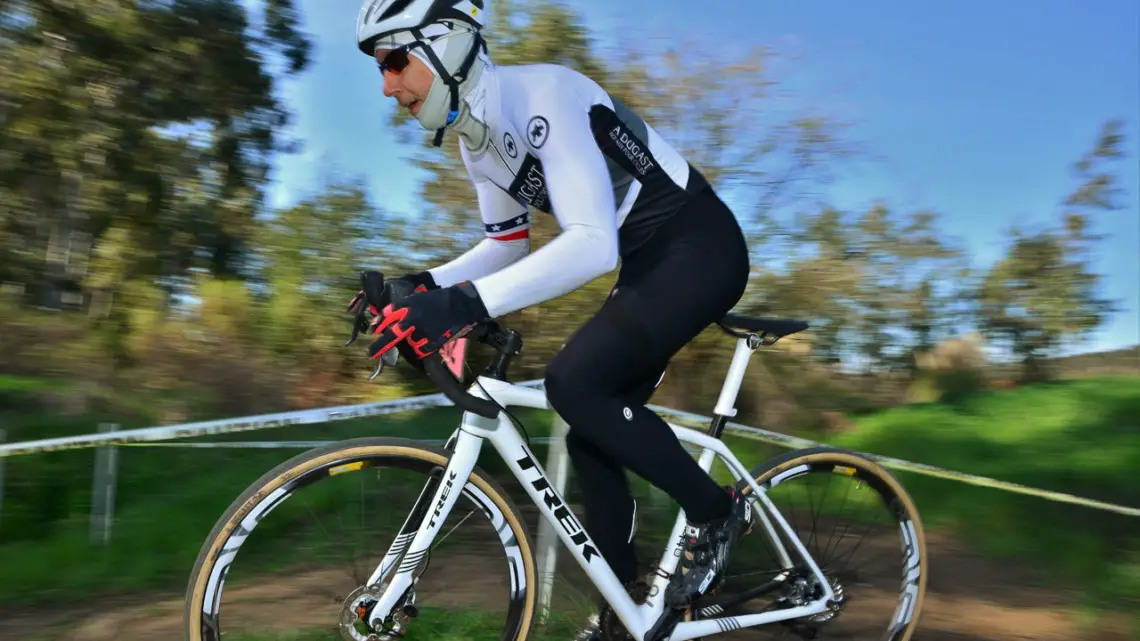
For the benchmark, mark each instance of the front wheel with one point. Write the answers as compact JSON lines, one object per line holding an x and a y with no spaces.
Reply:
{"x":338,"y":513}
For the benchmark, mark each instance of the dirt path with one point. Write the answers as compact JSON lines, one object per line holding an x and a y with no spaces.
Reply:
{"x":969,"y":599}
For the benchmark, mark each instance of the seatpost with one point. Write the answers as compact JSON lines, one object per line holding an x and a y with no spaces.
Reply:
{"x":725,"y":404}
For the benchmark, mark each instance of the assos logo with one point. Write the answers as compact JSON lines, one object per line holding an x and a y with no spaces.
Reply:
{"x":558,"y":508}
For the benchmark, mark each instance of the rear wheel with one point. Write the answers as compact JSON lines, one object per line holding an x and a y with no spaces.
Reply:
{"x":335,"y":511}
{"x":862,"y":530}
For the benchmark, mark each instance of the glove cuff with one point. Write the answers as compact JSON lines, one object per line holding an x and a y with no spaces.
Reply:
{"x":422,"y":278}
{"x":472,"y":301}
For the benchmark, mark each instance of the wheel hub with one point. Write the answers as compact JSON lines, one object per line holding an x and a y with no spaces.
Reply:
{"x":835,"y":605}
{"x":356,"y":613}
{"x":802,"y":589}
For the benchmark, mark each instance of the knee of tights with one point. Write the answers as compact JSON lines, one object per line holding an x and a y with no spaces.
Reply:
{"x":579,"y":447}
{"x":565,"y":388}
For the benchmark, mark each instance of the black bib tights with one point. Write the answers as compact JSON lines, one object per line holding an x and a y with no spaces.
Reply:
{"x":689,"y":274}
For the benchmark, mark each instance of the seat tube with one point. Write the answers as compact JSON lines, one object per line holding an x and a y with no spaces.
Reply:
{"x":725,"y":404}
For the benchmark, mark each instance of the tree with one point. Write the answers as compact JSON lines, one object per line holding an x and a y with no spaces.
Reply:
{"x":138,"y":133}
{"x":1043,"y":292}
{"x":875,"y":286}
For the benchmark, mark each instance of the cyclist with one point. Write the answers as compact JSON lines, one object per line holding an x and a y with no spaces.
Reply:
{"x":547,"y":138}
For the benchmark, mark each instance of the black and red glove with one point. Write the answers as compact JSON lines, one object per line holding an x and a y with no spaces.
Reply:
{"x":374,"y":290}
{"x":426,"y":320}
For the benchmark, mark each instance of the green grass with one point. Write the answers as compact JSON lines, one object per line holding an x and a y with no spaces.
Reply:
{"x":167,"y":500}
{"x":22,"y":384}
{"x":1080,"y":437}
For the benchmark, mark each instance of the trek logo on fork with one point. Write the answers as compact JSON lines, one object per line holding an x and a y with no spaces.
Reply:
{"x":558,"y":508}
{"x":442,"y":499}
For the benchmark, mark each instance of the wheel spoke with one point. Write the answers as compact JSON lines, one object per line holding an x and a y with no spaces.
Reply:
{"x":844,"y":517}
{"x":276,"y":557}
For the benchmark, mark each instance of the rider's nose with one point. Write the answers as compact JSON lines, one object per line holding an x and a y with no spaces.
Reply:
{"x":391,"y":83}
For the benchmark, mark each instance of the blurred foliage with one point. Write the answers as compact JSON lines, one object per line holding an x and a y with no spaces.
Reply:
{"x":1042,"y":292}
{"x":952,"y":371}
{"x":138,"y":256}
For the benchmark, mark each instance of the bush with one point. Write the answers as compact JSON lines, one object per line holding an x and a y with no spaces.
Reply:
{"x":953,"y":370}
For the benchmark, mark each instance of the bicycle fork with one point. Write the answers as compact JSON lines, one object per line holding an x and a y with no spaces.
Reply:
{"x":413,"y":542}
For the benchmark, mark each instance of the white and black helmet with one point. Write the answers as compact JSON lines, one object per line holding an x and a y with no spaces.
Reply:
{"x":443,"y":33}
{"x":379,"y":18}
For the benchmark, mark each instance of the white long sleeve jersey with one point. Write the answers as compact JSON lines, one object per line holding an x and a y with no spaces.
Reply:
{"x":560,"y":144}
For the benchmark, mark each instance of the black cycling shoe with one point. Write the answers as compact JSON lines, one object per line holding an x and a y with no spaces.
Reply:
{"x":705,"y":553}
{"x":605,"y":626}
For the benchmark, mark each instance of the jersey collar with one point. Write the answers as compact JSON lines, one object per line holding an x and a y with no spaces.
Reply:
{"x":480,"y":106}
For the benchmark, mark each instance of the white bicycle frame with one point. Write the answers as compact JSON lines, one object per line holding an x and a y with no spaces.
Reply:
{"x":468,"y":442}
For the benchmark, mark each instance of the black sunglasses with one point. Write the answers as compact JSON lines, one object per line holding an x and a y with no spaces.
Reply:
{"x":395,"y":61}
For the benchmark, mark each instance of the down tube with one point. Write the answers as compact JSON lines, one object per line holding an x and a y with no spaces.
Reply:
{"x":527,"y":468}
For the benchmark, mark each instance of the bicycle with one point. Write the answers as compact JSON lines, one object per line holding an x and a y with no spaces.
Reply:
{"x":385,"y":605}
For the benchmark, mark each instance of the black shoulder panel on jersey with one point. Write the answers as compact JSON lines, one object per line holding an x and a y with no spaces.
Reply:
{"x":623,"y":138}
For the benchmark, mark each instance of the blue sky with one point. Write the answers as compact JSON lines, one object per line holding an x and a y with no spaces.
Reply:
{"x":976,"y":109}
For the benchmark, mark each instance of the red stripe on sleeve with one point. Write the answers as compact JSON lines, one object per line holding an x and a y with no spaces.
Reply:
{"x":525,"y":233}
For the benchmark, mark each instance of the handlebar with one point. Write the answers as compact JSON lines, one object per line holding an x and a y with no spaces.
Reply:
{"x":507,"y":343}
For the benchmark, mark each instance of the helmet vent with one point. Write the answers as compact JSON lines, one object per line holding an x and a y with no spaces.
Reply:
{"x":394,"y":8}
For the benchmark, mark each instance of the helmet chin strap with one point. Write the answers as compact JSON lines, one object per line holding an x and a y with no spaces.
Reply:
{"x":452,"y":82}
